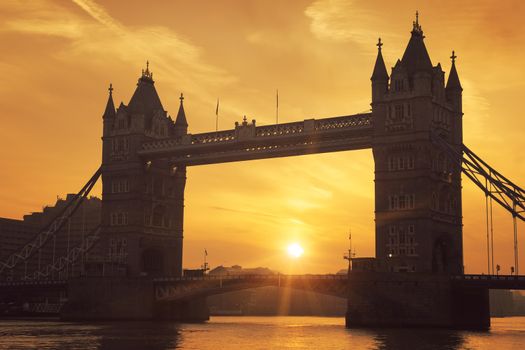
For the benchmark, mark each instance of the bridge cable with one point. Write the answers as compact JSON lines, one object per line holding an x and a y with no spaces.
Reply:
{"x":491,"y":231}
{"x":487,"y":220}
{"x":496,"y":186}
{"x":38,"y":241}
{"x":64,"y":261}
{"x":516,"y":259}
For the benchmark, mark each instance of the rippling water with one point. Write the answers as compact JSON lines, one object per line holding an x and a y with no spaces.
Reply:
{"x":251,"y":333}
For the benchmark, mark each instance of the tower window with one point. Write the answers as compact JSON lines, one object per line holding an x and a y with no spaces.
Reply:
{"x":120,"y":186}
{"x":410,"y":162}
{"x":399,"y":112}
{"x":401,"y":162}
{"x":401,"y":202}
{"x":391,"y":164}
{"x":118,"y":218}
{"x":399,"y":84}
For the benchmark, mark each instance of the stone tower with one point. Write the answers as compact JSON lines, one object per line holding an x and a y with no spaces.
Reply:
{"x":142,"y":200}
{"x":417,"y":186}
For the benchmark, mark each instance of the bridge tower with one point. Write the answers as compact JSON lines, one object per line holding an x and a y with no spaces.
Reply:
{"x":417,"y":187}
{"x":142,"y":201}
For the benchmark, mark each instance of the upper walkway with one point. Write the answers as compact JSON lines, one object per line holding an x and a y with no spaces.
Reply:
{"x":248,"y":141}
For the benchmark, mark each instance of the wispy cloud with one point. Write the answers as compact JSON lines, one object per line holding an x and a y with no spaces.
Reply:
{"x":342,"y":20}
{"x":101,"y":35}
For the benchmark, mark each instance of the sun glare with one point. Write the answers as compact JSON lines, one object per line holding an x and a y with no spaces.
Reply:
{"x":295,"y":250}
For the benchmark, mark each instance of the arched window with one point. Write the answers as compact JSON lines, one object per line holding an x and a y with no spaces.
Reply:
{"x":158,"y":215}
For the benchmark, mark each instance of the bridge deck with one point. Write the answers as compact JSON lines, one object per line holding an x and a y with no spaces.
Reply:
{"x":482,"y":281}
{"x":248,"y":141}
{"x":491,"y":281}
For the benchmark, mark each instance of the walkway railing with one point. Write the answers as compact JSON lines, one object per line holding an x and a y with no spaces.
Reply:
{"x":309,"y":126}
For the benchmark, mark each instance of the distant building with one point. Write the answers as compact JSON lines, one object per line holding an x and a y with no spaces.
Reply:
{"x":193,"y":272}
{"x":14,"y":234}
{"x":237,"y":270}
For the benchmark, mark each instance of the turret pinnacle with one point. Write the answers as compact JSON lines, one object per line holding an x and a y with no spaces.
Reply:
{"x":453,"y":78}
{"x":110,"y":106}
{"x":380,"y":72}
{"x":181,"y":115}
{"x":416,"y":57}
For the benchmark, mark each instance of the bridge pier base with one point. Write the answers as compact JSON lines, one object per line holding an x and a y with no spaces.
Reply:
{"x":195,"y":310}
{"x":413,"y":300}
{"x":108,"y":298}
{"x":114,"y":298}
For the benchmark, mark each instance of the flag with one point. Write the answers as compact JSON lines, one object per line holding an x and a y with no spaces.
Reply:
{"x":217,"y":116}
{"x":205,"y":252}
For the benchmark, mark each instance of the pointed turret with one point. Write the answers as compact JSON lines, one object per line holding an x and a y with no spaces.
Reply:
{"x":145,"y":99}
{"x":416,"y":56}
{"x":380,"y":72}
{"x":453,"y":78}
{"x":454,"y":93}
{"x":379,"y":76}
{"x":110,"y":106}
{"x":181,"y":124}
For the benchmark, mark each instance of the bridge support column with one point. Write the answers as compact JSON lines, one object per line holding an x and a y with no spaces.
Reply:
{"x":114,"y":298}
{"x":108,"y":298}
{"x":413,"y":300}
{"x":195,"y":310}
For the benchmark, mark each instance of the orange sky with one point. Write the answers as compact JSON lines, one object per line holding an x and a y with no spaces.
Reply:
{"x":58,"y":58}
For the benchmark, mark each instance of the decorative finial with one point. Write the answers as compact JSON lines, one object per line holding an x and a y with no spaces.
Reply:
{"x":379,"y":44}
{"x":244,"y":119}
{"x":110,"y":89}
{"x":181,"y":98}
{"x":417,"y":28}
{"x":453,"y":57}
{"x":146,"y":73}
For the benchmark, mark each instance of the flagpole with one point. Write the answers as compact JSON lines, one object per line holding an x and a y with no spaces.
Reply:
{"x":205,"y":266}
{"x":217,"y":116}
{"x":277,"y":107}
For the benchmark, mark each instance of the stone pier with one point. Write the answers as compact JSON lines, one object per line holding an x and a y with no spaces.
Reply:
{"x":414,"y":300}
{"x":113,"y":298}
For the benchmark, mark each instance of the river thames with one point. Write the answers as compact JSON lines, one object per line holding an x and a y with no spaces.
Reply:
{"x":251,"y":333}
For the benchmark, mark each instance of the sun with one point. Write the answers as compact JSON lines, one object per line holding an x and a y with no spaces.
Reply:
{"x":295,"y":250}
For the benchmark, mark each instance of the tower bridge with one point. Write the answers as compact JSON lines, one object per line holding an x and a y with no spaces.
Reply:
{"x":415,"y":131}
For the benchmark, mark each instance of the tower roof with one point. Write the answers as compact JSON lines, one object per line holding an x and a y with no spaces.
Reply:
{"x":380,"y":72}
{"x":416,"y":56}
{"x":181,"y":115}
{"x":453,"y":78}
{"x":109,"y":112}
{"x":145,"y":99}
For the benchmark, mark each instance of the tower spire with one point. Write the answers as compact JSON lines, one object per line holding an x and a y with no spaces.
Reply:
{"x":416,"y":27}
{"x":109,"y":112}
{"x":453,"y":78}
{"x":146,"y":73}
{"x":379,"y":72}
{"x":181,"y":115}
